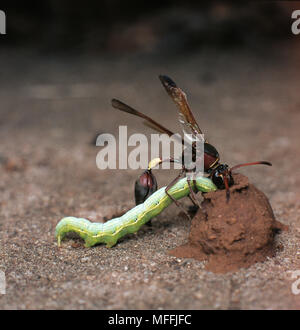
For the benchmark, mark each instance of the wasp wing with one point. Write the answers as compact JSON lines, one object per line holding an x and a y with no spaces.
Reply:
{"x":148,"y":121}
{"x":187,"y":120}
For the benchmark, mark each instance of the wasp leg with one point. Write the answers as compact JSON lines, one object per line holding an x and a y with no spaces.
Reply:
{"x":157,"y":161}
{"x":192,"y":194}
{"x":169,"y":186}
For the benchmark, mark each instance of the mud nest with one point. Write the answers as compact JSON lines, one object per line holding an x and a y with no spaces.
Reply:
{"x":232,"y":235}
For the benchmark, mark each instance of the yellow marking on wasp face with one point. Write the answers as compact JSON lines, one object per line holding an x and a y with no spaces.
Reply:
{"x":154,"y":162}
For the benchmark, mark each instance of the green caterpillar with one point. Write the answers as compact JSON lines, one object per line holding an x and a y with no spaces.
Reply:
{"x":111,"y":231}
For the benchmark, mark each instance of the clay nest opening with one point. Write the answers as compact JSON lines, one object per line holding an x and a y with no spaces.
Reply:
{"x":235,"y":234}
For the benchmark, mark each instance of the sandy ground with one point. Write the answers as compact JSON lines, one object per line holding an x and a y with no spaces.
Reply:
{"x":52,"y":108}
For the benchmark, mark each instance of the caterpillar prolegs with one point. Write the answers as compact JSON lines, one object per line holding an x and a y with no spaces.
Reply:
{"x":111,"y":231}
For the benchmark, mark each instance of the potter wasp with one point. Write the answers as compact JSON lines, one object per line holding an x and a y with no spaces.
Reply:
{"x":220,"y":174}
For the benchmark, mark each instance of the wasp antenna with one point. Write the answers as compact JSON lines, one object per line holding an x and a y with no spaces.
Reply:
{"x":249,"y":164}
{"x":265,"y":163}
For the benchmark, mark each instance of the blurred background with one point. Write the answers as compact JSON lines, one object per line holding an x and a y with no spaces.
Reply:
{"x":66,"y":60}
{"x":119,"y":27}
{"x":62,"y":63}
